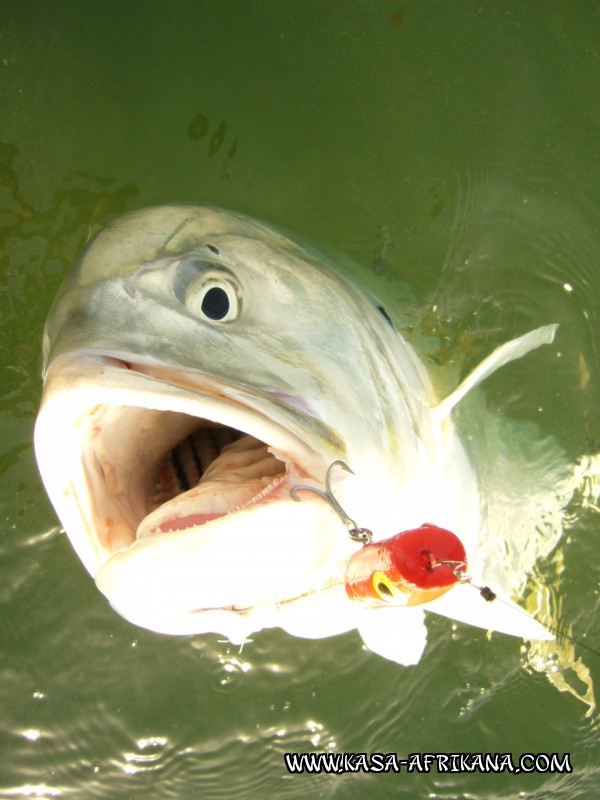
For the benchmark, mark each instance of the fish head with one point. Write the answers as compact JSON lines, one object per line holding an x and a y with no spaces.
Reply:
{"x":198,"y":365}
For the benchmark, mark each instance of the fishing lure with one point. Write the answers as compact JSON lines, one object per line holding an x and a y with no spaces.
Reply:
{"x":414,"y":566}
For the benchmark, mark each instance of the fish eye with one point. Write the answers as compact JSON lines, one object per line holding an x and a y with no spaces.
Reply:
{"x":214,"y":300}
{"x":210,"y":293}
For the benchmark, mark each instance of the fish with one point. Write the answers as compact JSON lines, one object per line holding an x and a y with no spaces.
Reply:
{"x":199,"y":365}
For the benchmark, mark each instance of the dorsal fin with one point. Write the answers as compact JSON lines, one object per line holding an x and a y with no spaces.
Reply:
{"x":510,"y":351}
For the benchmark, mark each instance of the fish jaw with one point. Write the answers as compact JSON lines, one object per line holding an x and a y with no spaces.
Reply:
{"x":236,"y":577}
{"x":104,"y":425}
{"x":274,"y":562}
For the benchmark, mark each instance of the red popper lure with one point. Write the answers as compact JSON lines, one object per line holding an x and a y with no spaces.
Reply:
{"x":412,"y":567}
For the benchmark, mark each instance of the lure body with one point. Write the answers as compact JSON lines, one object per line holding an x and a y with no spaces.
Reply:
{"x":410,"y":568}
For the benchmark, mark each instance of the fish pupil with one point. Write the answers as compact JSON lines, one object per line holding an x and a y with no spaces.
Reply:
{"x":215,"y":303}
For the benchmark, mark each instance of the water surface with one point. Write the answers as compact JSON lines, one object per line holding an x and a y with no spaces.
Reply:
{"x":452,"y":150}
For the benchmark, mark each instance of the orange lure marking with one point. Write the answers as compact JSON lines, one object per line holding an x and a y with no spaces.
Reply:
{"x":412,"y":567}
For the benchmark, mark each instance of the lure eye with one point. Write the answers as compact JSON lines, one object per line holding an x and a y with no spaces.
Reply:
{"x":420,"y":556}
{"x":383,"y":586}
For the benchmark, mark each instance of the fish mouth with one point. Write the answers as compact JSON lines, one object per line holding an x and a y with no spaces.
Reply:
{"x":214,"y":471}
{"x":148,"y":462}
{"x":153,"y":471}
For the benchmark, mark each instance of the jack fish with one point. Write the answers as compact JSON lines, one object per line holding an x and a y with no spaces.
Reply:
{"x":198,"y":366}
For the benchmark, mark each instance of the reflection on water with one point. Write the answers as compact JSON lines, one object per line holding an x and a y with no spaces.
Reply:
{"x":493,"y":241}
{"x":199,"y":128}
{"x":37,"y":247}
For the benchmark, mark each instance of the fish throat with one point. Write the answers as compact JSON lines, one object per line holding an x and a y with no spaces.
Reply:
{"x":184,"y":466}
{"x":153,"y":472}
{"x":213,"y":471}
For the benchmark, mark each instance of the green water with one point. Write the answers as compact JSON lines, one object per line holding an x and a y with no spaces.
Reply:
{"x":450,"y":148}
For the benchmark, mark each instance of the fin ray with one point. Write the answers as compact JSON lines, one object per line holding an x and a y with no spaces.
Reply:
{"x":510,"y":351}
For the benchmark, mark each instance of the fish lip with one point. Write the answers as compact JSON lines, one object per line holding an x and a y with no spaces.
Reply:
{"x":74,"y":374}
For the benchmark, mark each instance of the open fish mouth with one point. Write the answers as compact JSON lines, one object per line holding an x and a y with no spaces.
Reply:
{"x":190,"y":469}
{"x":212,"y":454}
{"x":210,"y":472}
{"x":166,"y":471}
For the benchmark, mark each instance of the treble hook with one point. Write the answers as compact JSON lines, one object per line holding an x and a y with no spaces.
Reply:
{"x":363,"y":535}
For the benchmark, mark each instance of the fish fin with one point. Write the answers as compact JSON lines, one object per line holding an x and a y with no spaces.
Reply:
{"x":510,"y":351}
{"x":395,"y":633}
{"x":462,"y":604}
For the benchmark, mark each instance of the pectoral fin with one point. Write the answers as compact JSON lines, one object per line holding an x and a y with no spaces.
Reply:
{"x":400,"y":635}
{"x":395,"y":633}
{"x":510,"y":351}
